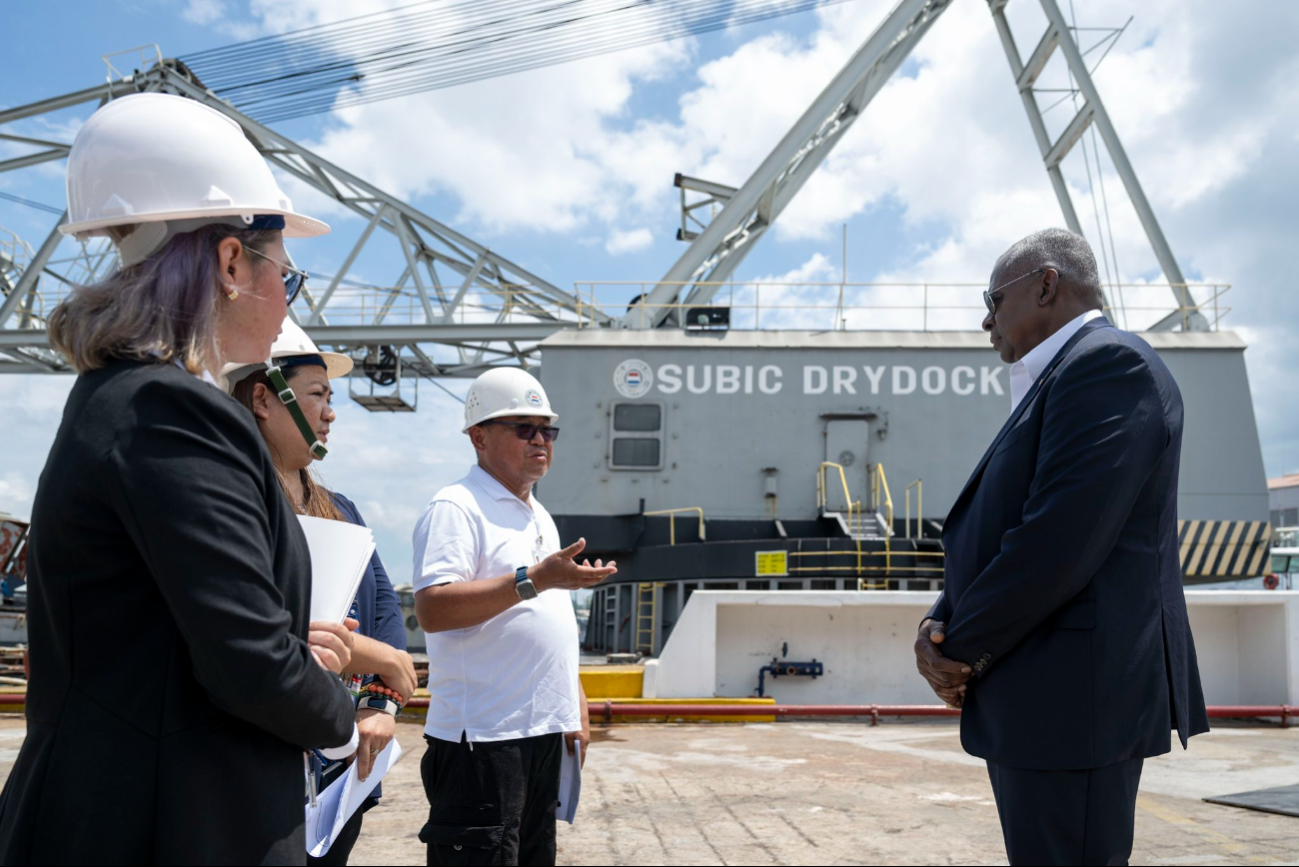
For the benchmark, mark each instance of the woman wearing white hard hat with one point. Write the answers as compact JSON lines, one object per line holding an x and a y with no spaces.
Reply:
{"x":290,"y":400}
{"x":175,"y":680}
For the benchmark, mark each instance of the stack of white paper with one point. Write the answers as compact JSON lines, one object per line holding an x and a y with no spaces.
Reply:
{"x":342,"y":798}
{"x":570,"y":783}
{"x":339,"y":554}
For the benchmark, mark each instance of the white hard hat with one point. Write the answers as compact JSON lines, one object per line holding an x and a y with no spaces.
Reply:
{"x":292,"y":342}
{"x":504,"y":391}
{"x":154,"y":158}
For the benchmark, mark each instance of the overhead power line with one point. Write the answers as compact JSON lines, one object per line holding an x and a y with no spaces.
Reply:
{"x":437,"y":44}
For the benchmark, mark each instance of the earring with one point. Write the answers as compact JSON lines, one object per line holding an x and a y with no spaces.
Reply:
{"x":231,"y":292}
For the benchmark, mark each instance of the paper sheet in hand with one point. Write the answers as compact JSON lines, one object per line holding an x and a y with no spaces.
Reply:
{"x":570,"y":783}
{"x":339,"y":554}
{"x":342,"y":798}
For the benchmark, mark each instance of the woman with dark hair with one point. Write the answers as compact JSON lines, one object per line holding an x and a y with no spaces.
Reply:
{"x":175,"y":679}
{"x":382,"y":674}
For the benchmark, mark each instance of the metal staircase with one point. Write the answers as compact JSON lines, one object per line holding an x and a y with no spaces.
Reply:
{"x":862,"y":526}
{"x":856,"y":523}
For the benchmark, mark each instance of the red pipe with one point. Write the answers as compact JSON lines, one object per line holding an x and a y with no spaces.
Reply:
{"x":608,"y":709}
{"x":1252,"y":710}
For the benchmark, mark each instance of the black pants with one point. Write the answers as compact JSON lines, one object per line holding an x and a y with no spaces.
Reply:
{"x":492,"y":803}
{"x":1067,"y":817}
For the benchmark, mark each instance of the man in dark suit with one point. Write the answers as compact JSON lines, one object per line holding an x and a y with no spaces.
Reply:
{"x":1061,"y":629}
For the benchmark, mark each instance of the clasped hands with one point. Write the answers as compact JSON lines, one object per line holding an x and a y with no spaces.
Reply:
{"x":947,"y":677}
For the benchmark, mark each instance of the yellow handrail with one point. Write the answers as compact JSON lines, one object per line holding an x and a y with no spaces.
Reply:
{"x":823,"y":501}
{"x":919,"y":485}
{"x":880,"y":498}
{"x":672,"y":521}
{"x":880,"y":484}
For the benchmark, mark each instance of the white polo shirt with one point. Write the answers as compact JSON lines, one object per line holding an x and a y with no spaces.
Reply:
{"x":514,"y":676}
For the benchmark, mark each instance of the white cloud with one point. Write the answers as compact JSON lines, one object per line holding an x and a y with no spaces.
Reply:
{"x":16,"y":494}
{"x":542,"y":151}
{"x":632,"y":241}
{"x":217,"y":15}
{"x":204,"y":11}
{"x":33,"y":410}
{"x":817,"y":269}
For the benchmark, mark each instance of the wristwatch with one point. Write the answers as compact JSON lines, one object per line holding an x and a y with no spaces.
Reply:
{"x":378,"y":702}
{"x":523,"y":584}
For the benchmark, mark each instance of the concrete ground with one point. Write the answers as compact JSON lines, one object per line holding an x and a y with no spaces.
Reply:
{"x":842,"y":793}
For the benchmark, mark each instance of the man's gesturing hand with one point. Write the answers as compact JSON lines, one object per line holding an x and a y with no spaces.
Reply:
{"x":946,"y":676}
{"x":560,"y":572}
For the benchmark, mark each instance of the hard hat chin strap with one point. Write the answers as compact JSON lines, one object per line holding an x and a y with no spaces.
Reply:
{"x":290,"y":401}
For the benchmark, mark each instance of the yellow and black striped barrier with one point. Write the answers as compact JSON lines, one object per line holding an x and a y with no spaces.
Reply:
{"x":1222,"y":550}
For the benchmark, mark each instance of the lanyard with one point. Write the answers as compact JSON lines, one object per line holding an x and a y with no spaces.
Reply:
{"x":290,"y":401}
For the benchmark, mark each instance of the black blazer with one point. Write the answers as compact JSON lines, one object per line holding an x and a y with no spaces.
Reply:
{"x":172,"y":691}
{"x":1063,"y":588}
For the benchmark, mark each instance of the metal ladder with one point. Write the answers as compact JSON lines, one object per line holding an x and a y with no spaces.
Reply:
{"x":647,"y":609}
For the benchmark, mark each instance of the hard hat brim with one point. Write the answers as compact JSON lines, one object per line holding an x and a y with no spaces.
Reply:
{"x":506,"y":413}
{"x":336,"y":365}
{"x":295,"y":225}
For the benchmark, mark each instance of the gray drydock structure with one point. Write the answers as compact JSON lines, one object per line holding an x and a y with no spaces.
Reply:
{"x":775,"y":459}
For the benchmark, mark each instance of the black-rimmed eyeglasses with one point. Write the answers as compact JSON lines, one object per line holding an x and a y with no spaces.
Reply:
{"x":525,"y":431}
{"x":987,"y":293}
{"x":293,"y":281}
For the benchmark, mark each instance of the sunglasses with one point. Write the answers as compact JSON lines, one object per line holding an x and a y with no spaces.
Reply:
{"x":293,"y":281}
{"x":987,"y":293}
{"x":528,"y":431}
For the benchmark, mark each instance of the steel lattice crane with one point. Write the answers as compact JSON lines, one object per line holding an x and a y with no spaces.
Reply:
{"x":749,"y":211}
{"x":444,"y":277}
{"x":447,"y":329}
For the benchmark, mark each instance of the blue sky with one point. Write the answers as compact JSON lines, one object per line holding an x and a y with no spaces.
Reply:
{"x":568,"y":171}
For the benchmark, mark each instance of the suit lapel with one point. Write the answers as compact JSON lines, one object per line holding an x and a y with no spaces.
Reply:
{"x":1021,"y":409}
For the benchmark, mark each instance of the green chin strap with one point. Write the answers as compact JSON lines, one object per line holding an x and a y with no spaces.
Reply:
{"x":290,"y":401}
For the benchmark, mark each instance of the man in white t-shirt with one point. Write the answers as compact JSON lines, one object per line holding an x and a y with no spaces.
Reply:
{"x":492,"y":593}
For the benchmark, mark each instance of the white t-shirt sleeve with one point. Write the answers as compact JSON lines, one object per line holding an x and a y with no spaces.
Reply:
{"x":446,"y":544}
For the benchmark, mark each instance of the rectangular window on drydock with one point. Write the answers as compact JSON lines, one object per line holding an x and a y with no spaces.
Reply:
{"x":636,"y":436}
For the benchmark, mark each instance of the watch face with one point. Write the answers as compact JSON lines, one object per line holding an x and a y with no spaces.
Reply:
{"x":383,"y":704}
{"x":523,"y":584}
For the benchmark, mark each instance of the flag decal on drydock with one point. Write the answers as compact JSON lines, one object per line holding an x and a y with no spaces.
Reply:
{"x":1223,"y":549}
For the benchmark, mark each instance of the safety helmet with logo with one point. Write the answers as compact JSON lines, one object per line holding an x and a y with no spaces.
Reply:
{"x":505,"y":391}
{"x":293,"y":348}
{"x":167,"y":165}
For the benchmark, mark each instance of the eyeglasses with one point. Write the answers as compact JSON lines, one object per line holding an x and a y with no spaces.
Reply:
{"x":987,"y":293}
{"x":528,"y":431}
{"x":293,"y":283}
